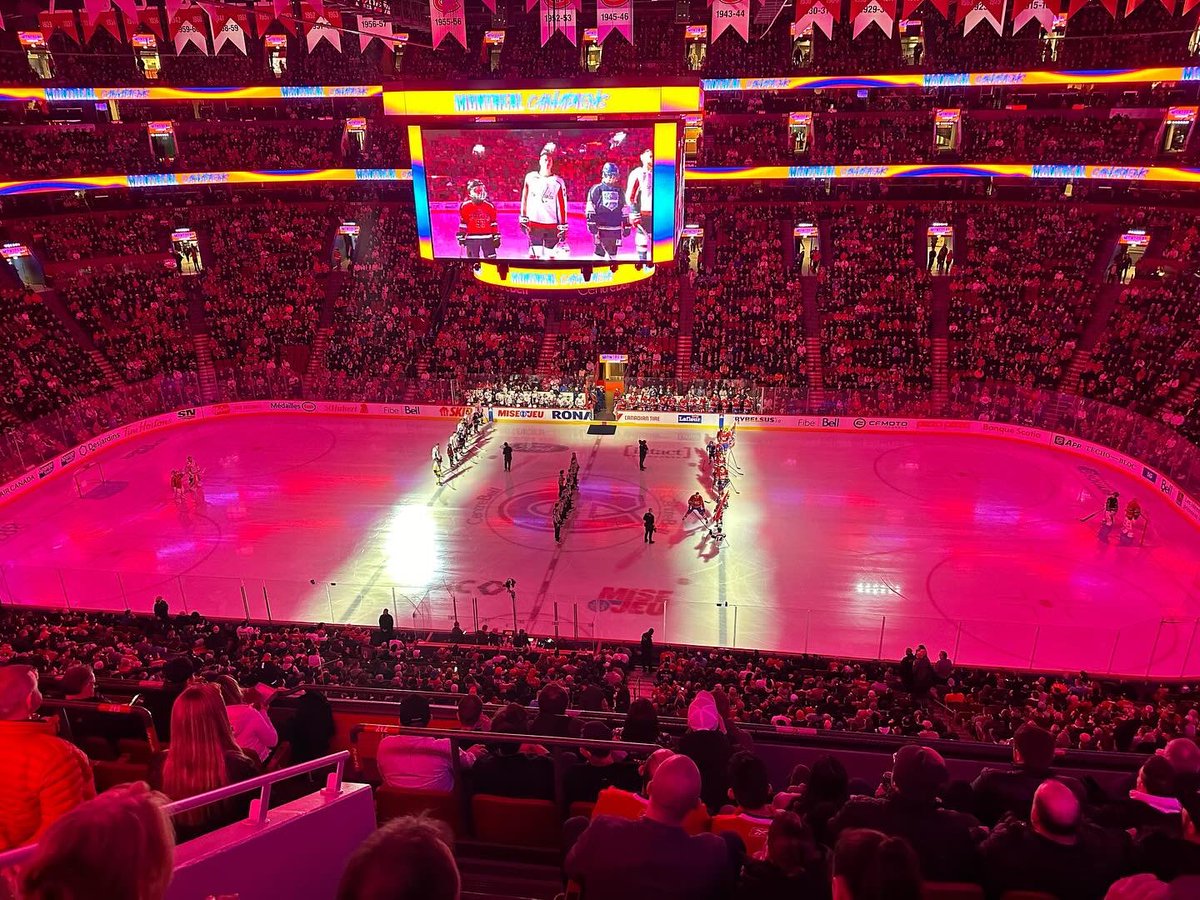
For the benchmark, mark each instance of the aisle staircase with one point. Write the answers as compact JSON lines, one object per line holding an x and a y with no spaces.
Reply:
{"x":547,"y":362}
{"x":939,"y":335}
{"x":1183,"y":398}
{"x":812,"y":344}
{"x":1107,"y":296}
{"x":685,"y":340}
{"x":202,"y":344}
{"x":316,"y":358}
{"x":54,"y":303}
{"x":641,"y":684}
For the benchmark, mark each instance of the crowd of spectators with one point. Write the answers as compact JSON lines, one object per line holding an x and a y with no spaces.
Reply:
{"x":1152,"y":341}
{"x":696,"y":396}
{"x":1016,"y":314}
{"x":138,"y":317}
{"x":875,"y":301}
{"x":261,"y":287}
{"x":748,"y":326}
{"x":480,"y":336}
{"x":384,"y":312}
{"x":639,"y":320}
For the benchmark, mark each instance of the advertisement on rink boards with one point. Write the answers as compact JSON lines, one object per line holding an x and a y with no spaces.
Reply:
{"x":79,"y":456}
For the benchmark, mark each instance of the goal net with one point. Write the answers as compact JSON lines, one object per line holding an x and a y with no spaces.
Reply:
{"x":88,"y":479}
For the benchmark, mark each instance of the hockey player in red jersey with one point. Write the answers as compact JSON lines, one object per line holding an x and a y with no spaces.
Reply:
{"x":543,"y":212}
{"x":478,"y":233}
{"x":639,"y":197}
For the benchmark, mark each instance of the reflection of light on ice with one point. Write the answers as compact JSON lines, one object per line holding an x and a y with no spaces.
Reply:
{"x":875,"y":588}
{"x":410,"y":548}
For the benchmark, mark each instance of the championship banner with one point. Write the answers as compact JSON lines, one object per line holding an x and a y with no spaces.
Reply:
{"x":558,"y":16}
{"x":187,"y":27}
{"x":614,"y":15}
{"x":864,"y":12}
{"x":128,"y":8}
{"x":819,"y":14}
{"x":91,"y":12}
{"x":148,"y":19}
{"x":491,"y":5}
{"x":1131,"y":5}
{"x":1026,"y":11}
{"x":370,"y":28}
{"x":230,"y":26}
{"x":170,"y":7}
{"x":265,"y":16}
{"x":106,"y":20}
{"x":448,"y":18}
{"x":908,"y":7}
{"x":972,"y":12}
{"x":63,"y":20}
{"x":726,"y":13}
{"x":1188,"y":6}
{"x":318,"y":27}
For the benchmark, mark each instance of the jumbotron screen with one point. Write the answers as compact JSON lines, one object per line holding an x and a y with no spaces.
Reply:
{"x":569,"y":193}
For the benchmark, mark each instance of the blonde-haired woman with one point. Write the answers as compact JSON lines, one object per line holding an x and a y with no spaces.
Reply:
{"x":118,"y":846}
{"x":203,"y":757}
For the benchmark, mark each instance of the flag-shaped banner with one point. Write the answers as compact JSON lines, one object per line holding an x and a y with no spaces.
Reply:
{"x":1026,"y":11}
{"x":972,"y":12}
{"x":370,"y":28}
{"x":91,"y":12}
{"x":880,"y":12}
{"x":614,"y":15}
{"x":321,"y":26}
{"x":817,"y":13}
{"x":229,"y":26}
{"x":106,"y":20}
{"x":448,"y":17}
{"x":730,"y":13}
{"x":558,"y":16}
{"x":170,"y":7}
{"x":908,"y":7}
{"x":188,"y":27}
{"x":1188,"y":6}
{"x":63,"y":20}
{"x":265,"y":16}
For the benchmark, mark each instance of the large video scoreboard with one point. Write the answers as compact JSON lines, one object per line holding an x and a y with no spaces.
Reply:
{"x":549,"y":156}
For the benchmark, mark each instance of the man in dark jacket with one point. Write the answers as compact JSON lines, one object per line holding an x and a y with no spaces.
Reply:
{"x":1168,"y":857}
{"x":1150,"y":806}
{"x":1054,"y":852}
{"x":999,"y":792}
{"x":943,"y":839}
{"x":506,"y":771}
{"x":552,"y":719}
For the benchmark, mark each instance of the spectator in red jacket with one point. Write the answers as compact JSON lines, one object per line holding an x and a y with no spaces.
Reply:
{"x":42,"y":777}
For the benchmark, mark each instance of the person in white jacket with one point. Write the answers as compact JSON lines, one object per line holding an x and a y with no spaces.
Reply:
{"x":252,"y":728}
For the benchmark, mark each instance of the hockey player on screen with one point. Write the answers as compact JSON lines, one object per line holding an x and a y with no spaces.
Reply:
{"x":639,"y":197}
{"x":604,"y":212}
{"x":543,"y":212}
{"x":478,"y":233}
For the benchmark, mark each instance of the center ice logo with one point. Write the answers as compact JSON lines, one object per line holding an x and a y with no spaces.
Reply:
{"x":607,"y":512}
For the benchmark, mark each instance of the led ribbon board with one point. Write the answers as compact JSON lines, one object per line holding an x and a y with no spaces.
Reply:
{"x":953,"y":79}
{"x":182,"y":179}
{"x":661,"y":100}
{"x":526,"y":279}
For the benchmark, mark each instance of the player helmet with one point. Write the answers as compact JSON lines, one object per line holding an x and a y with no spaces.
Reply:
{"x":476,"y":189}
{"x":609,"y":170}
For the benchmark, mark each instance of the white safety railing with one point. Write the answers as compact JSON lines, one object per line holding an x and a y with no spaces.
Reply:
{"x":258,"y":808}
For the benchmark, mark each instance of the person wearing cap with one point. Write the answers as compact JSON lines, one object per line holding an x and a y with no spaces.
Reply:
{"x":414,"y":761}
{"x":600,"y":769}
{"x":944,"y":840}
{"x":1002,"y":791}
{"x":1055,"y":851}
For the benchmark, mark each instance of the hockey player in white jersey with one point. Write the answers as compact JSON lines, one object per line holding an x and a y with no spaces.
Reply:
{"x":639,"y":197}
{"x":543,"y":212}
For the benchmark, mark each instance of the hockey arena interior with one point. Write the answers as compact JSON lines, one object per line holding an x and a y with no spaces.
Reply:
{"x":632,"y":449}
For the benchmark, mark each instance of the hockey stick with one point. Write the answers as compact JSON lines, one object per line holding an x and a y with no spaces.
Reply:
{"x":1091,"y":516}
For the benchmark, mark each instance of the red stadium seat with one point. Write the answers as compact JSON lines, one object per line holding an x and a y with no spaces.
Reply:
{"x":516,"y":822}
{"x":393,"y":802}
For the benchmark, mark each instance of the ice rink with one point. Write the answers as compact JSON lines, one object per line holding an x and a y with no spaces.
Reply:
{"x":852,"y":544}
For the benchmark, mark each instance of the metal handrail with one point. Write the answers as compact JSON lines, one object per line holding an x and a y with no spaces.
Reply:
{"x":258,"y":808}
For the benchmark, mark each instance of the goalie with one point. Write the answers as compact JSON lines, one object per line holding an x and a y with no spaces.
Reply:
{"x":543,"y":212}
{"x":478,"y":233}
{"x":604,"y":213}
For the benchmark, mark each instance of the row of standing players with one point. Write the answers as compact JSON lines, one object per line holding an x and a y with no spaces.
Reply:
{"x":609,"y":214}
{"x":469,"y":427}
{"x":188,"y":480}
